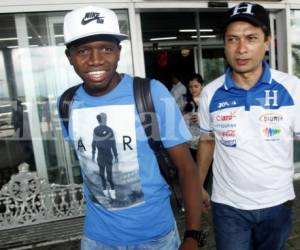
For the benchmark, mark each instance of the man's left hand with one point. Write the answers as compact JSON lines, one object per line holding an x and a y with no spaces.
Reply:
{"x":189,"y":244}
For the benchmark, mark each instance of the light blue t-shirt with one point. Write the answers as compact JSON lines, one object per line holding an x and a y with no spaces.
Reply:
{"x":127,"y":198}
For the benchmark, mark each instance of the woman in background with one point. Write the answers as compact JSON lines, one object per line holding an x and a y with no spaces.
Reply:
{"x":190,"y":110}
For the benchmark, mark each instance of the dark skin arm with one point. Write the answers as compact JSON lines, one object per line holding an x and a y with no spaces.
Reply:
{"x":204,"y":159}
{"x":190,"y":186}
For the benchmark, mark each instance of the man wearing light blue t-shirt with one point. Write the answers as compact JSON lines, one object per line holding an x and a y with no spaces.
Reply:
{"x":248,"y":118}
{"x":127,"y":200}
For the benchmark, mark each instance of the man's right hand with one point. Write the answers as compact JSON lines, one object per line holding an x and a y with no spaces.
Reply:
{"x":205,"y":201}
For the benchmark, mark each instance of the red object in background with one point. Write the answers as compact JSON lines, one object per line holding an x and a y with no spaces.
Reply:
{"x":162,"y":58}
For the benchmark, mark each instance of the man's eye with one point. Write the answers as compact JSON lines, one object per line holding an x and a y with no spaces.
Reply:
{"x":82,"y":51}
{"x":252,"y":38}
{"x":108,"y":49}
{"x":231,"y":39}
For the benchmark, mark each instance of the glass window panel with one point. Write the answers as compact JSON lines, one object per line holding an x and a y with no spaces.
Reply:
{"x":15,"y":140}
{"x":295,"y":34}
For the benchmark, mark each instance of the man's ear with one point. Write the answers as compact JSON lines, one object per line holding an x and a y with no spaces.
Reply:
{"x":120,"y":47}
{"x":67,"y":52}
{"x":68,"y":55}
{"x":268,"y":42}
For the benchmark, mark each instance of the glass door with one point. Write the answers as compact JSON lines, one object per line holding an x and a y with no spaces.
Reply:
{"x":16,"y":136}
{"x":62,"y":78}
{"x":187,"y":42}
{"x":41,"y":65}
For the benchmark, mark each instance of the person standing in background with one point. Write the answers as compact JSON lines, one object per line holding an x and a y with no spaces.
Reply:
{"x":248,"y":119}
{"x":178,"y":90}
{"x":190,"y":110}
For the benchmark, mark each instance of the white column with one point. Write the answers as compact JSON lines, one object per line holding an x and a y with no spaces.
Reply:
{"x":30,"y":96}
{"x":136,"y":41}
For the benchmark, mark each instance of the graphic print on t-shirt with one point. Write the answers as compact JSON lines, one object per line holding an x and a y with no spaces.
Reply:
{"x":105,"y":141}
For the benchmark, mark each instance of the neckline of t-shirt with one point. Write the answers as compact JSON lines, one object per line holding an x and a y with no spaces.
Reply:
{"x":107,"y":95}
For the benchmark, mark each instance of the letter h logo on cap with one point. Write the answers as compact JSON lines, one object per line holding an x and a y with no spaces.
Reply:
{"x":253,"y":13}
{"x":246,"y":8}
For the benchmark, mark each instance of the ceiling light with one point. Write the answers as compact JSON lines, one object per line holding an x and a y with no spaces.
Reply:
{"x":194,"y":30}
{"x":163,"y":38}
{"x":204,"y":36}
{"x":12,"y":47}
{"x":16,"y":46}
{"x":12,"y":38}
{"x":8,"y":39}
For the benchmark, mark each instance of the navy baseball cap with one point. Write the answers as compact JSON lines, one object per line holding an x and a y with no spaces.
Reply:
{"x":249,"y":12}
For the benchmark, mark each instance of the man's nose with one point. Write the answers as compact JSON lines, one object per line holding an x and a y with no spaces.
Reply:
{"x":96,"y":57}
{"x":242,"y":46}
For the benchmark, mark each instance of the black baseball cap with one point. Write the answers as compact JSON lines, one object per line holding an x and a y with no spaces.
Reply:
{"x":249,"y":12}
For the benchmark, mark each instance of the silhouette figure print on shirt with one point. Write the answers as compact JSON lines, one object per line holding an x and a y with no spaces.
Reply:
{"x":104,"y":144}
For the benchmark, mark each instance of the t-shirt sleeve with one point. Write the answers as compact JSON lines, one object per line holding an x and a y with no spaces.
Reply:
{"x":203,"y":113}
{"x":173,"y":129}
